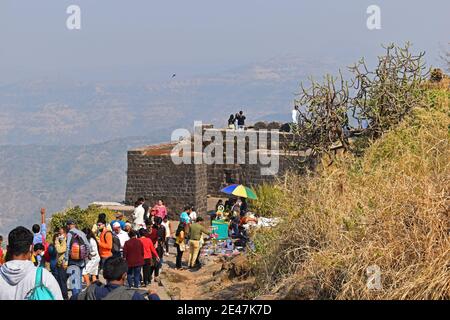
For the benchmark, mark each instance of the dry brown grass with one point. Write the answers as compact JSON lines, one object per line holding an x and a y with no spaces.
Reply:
{"x":444,"y":84}
{"x":389,"y":208}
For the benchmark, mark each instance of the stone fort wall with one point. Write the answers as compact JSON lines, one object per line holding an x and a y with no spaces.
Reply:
{"x":153,"y":175}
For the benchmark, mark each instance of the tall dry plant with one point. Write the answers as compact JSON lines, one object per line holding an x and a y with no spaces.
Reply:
{"x":322,"y":122}
{"x":387,"y":93}
{"x":389,"y":208}
{"x":375,"y":100}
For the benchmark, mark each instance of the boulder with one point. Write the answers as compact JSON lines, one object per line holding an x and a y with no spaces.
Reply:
{"x":274,"y":125}
{"x":285,"y":127}
{"x":260,"y":125}
{"x":304,"y":289}
{"x":175,"y":294}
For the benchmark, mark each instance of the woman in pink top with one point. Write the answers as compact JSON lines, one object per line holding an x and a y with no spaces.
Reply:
{"x":161,"y":210}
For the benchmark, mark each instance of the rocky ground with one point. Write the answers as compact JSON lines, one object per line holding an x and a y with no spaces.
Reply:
{"x":219,"y":278}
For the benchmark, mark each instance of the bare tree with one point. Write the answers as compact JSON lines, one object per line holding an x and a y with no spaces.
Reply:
{"x":384,"y":96}
{"x":323,"y":121}
{"x":375,"y":99}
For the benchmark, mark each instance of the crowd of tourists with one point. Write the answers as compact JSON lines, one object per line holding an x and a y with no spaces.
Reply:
{"x":128,"y":255}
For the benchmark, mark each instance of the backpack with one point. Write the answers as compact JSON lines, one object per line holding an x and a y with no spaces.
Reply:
{"x":78,"y":248}
{"x":115,"y":250}
{"x":39,"y":292}
{"x":120,"y":293}
{"x":162,"y":233}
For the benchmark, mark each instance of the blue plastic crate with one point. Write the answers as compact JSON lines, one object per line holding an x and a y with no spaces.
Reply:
{"x":221,"y":228}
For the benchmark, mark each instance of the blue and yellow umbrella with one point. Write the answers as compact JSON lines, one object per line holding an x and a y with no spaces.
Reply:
{"x":240,"y":191}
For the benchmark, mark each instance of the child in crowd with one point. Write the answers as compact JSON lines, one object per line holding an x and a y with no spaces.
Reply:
{"x":38,"y":255}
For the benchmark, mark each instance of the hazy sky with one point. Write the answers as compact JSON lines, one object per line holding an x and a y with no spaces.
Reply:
{"x":136,"y":39}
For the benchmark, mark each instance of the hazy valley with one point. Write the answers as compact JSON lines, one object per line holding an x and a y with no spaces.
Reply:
{"x":53,"y":133}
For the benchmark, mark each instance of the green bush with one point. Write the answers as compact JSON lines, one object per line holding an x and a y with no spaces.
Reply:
{"x":84,"y":218}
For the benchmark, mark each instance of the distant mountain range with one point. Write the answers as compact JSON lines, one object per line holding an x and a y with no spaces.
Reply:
{"x":63,"y":112}
{"x":52,"y":132}
{"x":34,"y":176}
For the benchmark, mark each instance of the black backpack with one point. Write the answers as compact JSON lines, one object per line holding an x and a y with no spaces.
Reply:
{"x":115,"y":250}
{"x":161,"y":240}
{"x":120,"y":293}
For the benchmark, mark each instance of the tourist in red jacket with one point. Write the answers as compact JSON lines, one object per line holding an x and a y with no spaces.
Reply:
{"x":150,"y":255}
{"x":133,"y":253}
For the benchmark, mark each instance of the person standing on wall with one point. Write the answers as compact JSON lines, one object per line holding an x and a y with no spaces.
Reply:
{"x":295,"y":114}
{"x":240,"y":120}
{"x":231,"y":122}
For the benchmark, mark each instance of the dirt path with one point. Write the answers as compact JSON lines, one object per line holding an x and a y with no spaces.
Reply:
{"x":203,"y":284}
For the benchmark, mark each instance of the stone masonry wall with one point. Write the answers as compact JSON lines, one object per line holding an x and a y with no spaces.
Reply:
{"x":154,"y":176}
{"x":157,"y":177}
{"x":246,"y":174}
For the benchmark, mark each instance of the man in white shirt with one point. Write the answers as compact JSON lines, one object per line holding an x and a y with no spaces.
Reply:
{"x":122,"y":235}
{"x":193,"y":215}
{"x":138,"y":215}
{"x":295,"y":114}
